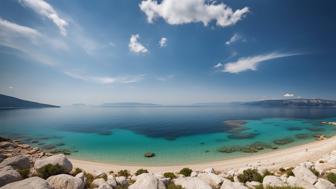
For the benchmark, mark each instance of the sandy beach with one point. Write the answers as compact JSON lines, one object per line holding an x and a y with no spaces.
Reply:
{"x":272,"y":160}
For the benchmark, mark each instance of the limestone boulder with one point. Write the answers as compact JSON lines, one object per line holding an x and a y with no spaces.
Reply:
{"x":64,"y":181}
{"x":148,"y":181}
{"x":192,"y":183}
{"x":59,"y":159}
{"x":8,"y":175}
{"x":18,"y":162}
{"x":29,"y":183}
{"x":273,"y":181}
{"x":305,"y":174}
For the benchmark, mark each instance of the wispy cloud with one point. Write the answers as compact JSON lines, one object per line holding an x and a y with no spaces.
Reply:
{"x":106,"y":79}
{"x":250,"y":63}
{"x":8,"y":28}
{"x":235,"y":37}
{"x":22,"y":39}
{"x":135,"y":46}
{"x":176,"y":12}
{"x":45,"y":9}
{"x":163,"y":42}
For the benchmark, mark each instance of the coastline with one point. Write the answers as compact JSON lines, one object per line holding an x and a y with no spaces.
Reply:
{"x":272,"y":160}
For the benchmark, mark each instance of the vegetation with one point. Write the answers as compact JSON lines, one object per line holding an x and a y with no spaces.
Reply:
{"x":186,"y":172}
{"x":24,"y":173}
{"x":89,"y":179}
{"x":140,"y":171}
{"x":124,"y":173}
{"x":273,"y":187}
{"x":170,"y":175}
{"x":331,"y":177}
{"x":288,"y":172}
{"x":249,"y":175}
{"x":172,"y":185}
{"x":313,"y":170}
{"x":50,"y":170}
{"x":76,"y":171}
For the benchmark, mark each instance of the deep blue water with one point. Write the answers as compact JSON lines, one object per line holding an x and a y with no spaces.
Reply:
{"x":175,"y":134}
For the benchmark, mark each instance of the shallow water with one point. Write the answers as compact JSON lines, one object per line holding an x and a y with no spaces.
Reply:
{"x":176,"y":135}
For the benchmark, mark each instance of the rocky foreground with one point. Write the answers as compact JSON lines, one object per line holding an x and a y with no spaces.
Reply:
{"x":25,"y":167}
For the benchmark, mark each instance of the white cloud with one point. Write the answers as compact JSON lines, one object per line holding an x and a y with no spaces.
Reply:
{"x":135,"y":46}
{"x":163,"y":42}
{"x":218,"y":65}
{"x":106,"y":79}
{"x":233,"y":39}
{"x":288,"y":95}
{"x":251,"y":63}
{"x":45,"y":9}
{"x":8,"y":28}
{"x":176,"y":12}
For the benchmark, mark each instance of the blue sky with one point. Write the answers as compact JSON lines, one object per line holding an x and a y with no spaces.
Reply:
{"x":168,"y":51}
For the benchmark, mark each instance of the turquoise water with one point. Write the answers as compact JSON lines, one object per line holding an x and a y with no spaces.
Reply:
{"x":177,"y":135}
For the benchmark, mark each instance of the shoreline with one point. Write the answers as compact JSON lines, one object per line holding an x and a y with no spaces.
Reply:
{"x":287,"y":157}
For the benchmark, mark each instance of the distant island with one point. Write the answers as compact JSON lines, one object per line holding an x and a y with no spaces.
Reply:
{"x":294,"y":103}
{"x":129,"y":104}
{"x":8,"y":102}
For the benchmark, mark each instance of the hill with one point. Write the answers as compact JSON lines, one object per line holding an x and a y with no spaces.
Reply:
{"x":8,"y":102}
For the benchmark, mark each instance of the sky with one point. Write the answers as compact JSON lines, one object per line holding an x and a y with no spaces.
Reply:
{"x":167,"y":51}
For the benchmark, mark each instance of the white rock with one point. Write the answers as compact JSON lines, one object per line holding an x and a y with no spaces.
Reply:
{"x":323,"y":167}
{"x":307,"y":164}
{"x":148,"y":181}
{"x":227,"y":184}
{"x":252,"y":184}
{"x":209,"y":170}
{"x":19,"y":162}
{"x":29,"y":183}
{"x":111,"y":181}
{"x":63,"y":181}
{"x":304,"y":174}
{"x":273,"y":181}
{"x":80,"y":176}
{"x":191,"y":183}
{"x":121,"y":180}
{"x":105,"y":186}
{"x":59,"y":159}
{"x":8,"y":175}
{"x":97,"y":182}
{"x":193,"y":174}
{"x":211,"y":178}
{"x":324,"y":184}
{"x":293,"y":181}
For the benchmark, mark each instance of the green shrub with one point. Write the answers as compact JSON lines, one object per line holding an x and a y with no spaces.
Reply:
{"x":289,"y":172}
{"x":186,"y":172}
{"x":124,"y":173}
{"x":313,"y":170}
{"x":331,"y":177}
{"x":89,"y":179}
{"x":169,"y":175}
{"x":50,"y":170}
{"x":250,"y":175}
{"x":24,"y":172}
{"x":172,"y":185}
{"x":282,"y":170}
{"x":266,"y":173}
{"x":76,"y":171}
{"x":140,"y":171}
